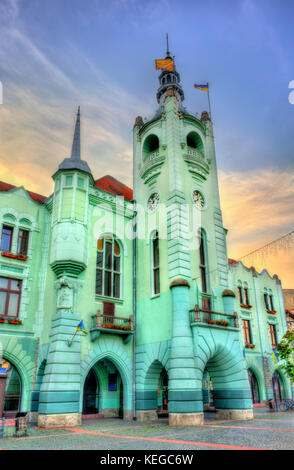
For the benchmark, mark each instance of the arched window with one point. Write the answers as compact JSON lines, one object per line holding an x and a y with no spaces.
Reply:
{"x":108,"y":267}
{"x":203,"y":262}
{"x":151,"y":144}
{"x":155,"y":264}
{"x":194,"y":141}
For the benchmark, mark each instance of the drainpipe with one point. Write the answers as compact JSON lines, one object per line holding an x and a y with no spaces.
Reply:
{"x":134,"y":306}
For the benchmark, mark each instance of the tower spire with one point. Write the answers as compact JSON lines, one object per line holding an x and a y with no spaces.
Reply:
{"x":167,"y":46}
{"x":76,"y":144}
{"x":75,"y":162}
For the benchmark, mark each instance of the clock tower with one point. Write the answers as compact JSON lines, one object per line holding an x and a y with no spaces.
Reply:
{"x":181,"y":252}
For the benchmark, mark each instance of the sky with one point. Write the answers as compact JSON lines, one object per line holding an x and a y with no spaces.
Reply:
{"x":58,"y":54}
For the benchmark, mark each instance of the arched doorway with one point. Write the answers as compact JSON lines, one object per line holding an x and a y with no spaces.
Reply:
{"x":91,"y":394}
{"x":11,"y":387}
{"x":103,"y":392}
{"x":162,"y":394}
{"x":277,"y":386}
{"x":254,"y":387}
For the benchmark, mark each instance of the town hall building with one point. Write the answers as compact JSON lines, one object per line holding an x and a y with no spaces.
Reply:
{"x":173,"y":326}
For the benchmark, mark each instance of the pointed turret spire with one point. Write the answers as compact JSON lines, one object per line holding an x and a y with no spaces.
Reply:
{"x":169,"y":78}
{"x":167,"y":47}
{"x":75,"y":162}
{"x":76,"y":144}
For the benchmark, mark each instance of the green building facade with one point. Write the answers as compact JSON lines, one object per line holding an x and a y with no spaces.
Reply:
{"x":173,"y":325}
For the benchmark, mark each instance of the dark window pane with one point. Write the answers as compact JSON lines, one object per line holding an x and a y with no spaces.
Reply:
{"x":246,"y":296}
{"x":271,"y":302}
{"x":99,"y":280}
{"x":116,"y":263}
{"x":116,"y":285}
{"x":156,"y":252}
{"x":112,"y":382}
{"x":240,"y":293}
{"x":202,"y":251}
{"x":266,"y":301}
{"x":156,"y":281}
{"x":203,"y":280}
{"x":107,"y":283}
{"x":22,"y":242}
{"x":100,"y":259}
{"x":108,"y":255}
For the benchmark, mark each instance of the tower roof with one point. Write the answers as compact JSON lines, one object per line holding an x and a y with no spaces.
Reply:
{"x":169,"y":79}
{"x":75,"y":162}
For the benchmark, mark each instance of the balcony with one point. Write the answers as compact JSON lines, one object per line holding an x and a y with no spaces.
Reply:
{"x":110,"y":324}
{"x":197,"y":164}
{"x":213,"y":319}
{"x":152,"y":166}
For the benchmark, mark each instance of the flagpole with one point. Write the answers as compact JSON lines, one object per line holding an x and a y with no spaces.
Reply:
{"x":209,"y":107}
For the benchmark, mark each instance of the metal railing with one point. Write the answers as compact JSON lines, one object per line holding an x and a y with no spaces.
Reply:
{"x":200,"y":315}
{"x":100,"y":320}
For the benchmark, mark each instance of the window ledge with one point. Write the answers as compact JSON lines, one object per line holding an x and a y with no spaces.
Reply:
{"x":102,"y":298}
{"x":11,"y":255}
{"x":155,"y":296}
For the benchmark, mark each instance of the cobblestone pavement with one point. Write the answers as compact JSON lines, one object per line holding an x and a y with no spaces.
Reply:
{"x":268,"y":430}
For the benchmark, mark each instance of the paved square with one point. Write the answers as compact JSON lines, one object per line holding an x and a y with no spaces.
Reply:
{"x":268,"y":430}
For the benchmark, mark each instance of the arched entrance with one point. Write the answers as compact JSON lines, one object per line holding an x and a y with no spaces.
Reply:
{"x":162,"y":394}
{"x":103,"y":391}
{"x":91,"y":394}
{"x":278,"y":389}
{"x":10,"y":390}
{"x":253,"y":386}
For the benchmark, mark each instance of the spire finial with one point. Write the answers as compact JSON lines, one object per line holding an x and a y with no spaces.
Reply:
{"x":167,"y":46}
{"x":76,"y":145}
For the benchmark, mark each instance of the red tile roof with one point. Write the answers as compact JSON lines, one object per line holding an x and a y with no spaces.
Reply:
{"x":36,"y":197}
{"x":112,"y":185}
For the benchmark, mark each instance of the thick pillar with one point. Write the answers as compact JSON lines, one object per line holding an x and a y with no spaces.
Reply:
{"x":184,"y":391}
{"x":3,"y":378}
{"x":60,"y":390}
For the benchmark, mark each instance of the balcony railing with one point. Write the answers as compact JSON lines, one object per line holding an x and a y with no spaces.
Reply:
{"x":211,"y":317}
{"x":110,"y":324}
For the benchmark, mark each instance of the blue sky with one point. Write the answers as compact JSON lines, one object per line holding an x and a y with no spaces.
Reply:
{"x":58,"y":54}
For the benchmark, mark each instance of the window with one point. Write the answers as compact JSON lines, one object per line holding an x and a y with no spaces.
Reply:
{"x":194,"y":141}
{"x":10,"y":291}
{"x":246,"y":331}
{"x":240,"y":294}
{"x":246,"y":296}
{"x":6,"y":238}
{"x":112,"y":382}
{"x":151,"y":144}
{"x":155,"y":262}
{"x":272,"y":307}
{"x":273,"y":335}
{"x":108,"y":268}
{"x":22,"y":242}
{"x":203,"y":262}
{"x":266,"y":301}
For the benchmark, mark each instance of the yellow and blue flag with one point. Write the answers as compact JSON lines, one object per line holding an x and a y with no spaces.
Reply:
{"x":275,"y":356}
{"x":81,"y":327}
{"x":204,"y":87}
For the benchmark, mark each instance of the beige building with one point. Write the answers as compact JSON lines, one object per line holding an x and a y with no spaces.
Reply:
{"x":289,"y":306}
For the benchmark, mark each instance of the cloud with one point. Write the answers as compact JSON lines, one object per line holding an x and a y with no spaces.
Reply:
{"x":258,"y":207}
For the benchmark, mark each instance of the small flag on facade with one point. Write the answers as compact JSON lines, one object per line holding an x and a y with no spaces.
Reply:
{"x":275,"y":356}
{"x":244,"y":352}
{"x":202,"y":87}
{"x":81,"y":327}
{"x":165,"y":64}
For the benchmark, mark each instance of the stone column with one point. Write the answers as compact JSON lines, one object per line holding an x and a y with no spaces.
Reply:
{"x":60,"y":390}
{"x":184,"y":390}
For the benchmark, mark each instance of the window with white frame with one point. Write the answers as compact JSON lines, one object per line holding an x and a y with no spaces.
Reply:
{"x":108,"y":267}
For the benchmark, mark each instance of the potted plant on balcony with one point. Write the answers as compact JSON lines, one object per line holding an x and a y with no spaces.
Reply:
{"x":250,"y":346}
{"x":211,"y":322}
{"x":272,"y":311}
{"x":14,"y":322}
{"x":2,"y":320}
{"x":245,"y":306}
{"x":222,"y":322}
